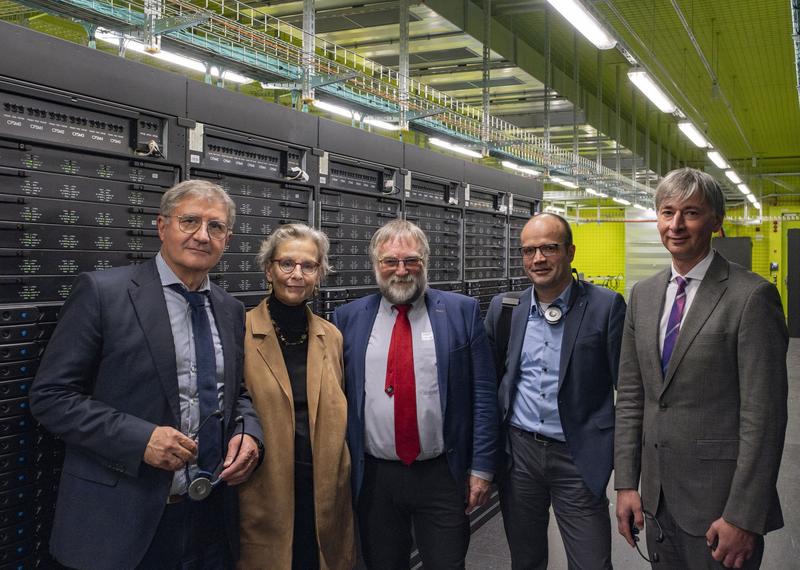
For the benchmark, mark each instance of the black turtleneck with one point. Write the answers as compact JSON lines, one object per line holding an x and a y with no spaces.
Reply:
{"x":293,"y":322}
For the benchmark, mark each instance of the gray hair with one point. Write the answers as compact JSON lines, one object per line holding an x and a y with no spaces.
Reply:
{"x":399,"y":229}
{"x":198,"y":189}
{"x":300,"y":232}
{"x":684,"y":183}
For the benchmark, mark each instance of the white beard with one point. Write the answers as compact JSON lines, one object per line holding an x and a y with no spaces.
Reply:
{"x":397,"y":291}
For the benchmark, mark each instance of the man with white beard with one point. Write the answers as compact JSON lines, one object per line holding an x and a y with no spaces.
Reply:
{"x":422,"y":408}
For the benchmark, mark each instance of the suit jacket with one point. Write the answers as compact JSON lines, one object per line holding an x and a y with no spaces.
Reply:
{"x":587,"y":374}
{"x":710,"y":433}
{"x":465,"y":376}
{"x":107,"y":379}
{"x":267,"y":499}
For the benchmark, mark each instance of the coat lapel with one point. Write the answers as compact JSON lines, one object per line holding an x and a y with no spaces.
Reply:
{"x":519,"y":325}
{"x":269,"y":350}
{"x":441,"y":337}
{"x":361,"y":329}
{"x":708,"y":295}
{"x":315,"y":363}
{"x":572,"y":324}
{"x":147,"y":296}
{"x":651,"y":318}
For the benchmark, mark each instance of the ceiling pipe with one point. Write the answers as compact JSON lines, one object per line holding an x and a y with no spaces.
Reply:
{"x":711,"y":74}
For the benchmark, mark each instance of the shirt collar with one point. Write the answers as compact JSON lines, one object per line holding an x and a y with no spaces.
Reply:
{"x":388,"y":307}
{"x":562,"y":300}
{"x":168,"y":277}
{"x":698,"y":272}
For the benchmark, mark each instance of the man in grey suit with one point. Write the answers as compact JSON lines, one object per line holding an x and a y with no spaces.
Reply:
{"x":701,"y":405}
{"x":142,"y":380}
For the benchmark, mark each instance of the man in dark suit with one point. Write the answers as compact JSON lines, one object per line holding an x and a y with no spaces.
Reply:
{"x":422,"y":415}
{"x":123,"y":386}
{"x":557,"y":402}
{"x":701,"y":407}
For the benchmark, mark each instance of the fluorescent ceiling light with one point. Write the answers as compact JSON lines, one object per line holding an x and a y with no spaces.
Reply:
{"x":751,"y":198}
{"x":562,"y":182}
{"x":518,"y":168}
{"x":639,"y":206}
{"x":717,"y":159}
{"x":757,"y":205}
{"x":743,"y":189}
{"x":454,"y":148}
{"x":646,"y":85}
{"x":596,"y":193}
{"x":693,"y":134}
{"x":173,"y":58}
{"x":382,"y":125}
{"x":622,"y":201}
{"x":555,"y":210}
{"x":733,"y":177}
{"x":584,"y":22}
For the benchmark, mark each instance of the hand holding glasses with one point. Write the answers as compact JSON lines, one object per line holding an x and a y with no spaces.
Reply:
{"x":201,"y":486}
{"x":635,"y":534}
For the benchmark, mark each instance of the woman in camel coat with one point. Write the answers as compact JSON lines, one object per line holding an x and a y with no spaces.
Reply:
{"x":296,"y":510}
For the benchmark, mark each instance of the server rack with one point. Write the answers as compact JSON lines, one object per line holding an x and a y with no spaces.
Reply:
{"x":520,"y":210}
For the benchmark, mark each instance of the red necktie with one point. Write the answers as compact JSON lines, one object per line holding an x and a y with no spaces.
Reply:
{"x":401,"y":385}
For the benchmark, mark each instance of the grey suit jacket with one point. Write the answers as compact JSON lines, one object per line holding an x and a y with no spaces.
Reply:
{"x":710,"y":434}
{"x":107,"y":379}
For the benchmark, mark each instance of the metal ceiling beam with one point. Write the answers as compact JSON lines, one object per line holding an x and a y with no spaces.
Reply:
{"x":403,"y":65}
{"x":516,"y":49}
{"x":796,"y":38}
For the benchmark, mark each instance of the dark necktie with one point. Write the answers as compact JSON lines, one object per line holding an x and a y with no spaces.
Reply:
{"x":674,"y":323}
{"x":401,"y":385}
{"x":209,"y":436}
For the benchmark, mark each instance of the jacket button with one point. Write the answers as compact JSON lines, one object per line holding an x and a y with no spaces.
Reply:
{"x":655,"y":445}
{"x":663,"y":406}
{"x":451,"y":450}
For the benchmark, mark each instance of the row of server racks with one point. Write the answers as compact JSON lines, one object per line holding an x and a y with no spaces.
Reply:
{"x":88,"y":144}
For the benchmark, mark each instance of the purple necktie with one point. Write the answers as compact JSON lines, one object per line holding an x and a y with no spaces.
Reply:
{"x":674,"y":323}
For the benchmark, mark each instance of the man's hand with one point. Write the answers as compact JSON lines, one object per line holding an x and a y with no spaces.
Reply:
{"x":478,"y":493}
{"x":629,"y":506}
{"x":237,"y":469}
{"x":730,"y":544}
{"x":169,"y":449}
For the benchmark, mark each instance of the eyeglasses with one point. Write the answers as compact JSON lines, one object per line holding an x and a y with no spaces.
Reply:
{"x":547,"y":250}
{"x":659,"y":538}
{"x":394,"y":263}
{"x":288,"y":265}
{"x":189,"y":224}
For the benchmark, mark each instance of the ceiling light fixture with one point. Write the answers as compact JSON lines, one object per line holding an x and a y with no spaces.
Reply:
{"x":640,"y":207}
{"x":454,"y":148}
{"x":733,"y":177}
{"x":751,"y":198}
{"x":757,"y":205}
{"x":555,"y":210}
{"x":717,"y":159}
{"x":518,"y":168}
{"x":646,"y":85}
{"x":743,"y":189}
{"x":622,"y":201}
{"x":580,"y":18}
{"x":694,"y":135}
{"x":562,"y":182}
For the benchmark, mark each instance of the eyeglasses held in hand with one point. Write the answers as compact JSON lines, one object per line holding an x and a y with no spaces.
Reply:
{"x":189,"y":224}
{"x":635,"y":533}
{"x":288,"y":265}
{"x":548,"y":250}
{"x":408,"y":262}
{"x":204,"y":482}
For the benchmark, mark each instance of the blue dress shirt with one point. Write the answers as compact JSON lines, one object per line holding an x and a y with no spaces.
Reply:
{"x":536,"y":403}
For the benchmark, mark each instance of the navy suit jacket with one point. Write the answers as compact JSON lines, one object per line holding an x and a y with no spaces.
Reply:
{"x":465,"y":373}
{"x":107,"y":379}
{"x":587,"y":374}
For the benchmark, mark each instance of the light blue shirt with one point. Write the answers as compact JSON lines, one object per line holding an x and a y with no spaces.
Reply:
{"x":536,"y":403}
{"x":180,"y":320}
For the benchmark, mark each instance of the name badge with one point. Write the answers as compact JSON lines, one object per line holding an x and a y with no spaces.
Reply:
{"x":427,"y":335}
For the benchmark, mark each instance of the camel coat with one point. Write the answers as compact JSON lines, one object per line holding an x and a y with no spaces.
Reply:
{"x":267,"y":498}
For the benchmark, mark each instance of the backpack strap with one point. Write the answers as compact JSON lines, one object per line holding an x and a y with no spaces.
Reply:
{"x":503,"y":334}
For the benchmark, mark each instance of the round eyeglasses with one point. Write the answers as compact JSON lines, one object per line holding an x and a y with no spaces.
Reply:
{"x":189,"y":224}
{"x":288,"y":265}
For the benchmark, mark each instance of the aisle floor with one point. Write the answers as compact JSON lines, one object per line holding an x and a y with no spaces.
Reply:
{"x":489,"y":550}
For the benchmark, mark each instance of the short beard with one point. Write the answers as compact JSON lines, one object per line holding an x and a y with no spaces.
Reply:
{"x":398,"y":295}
